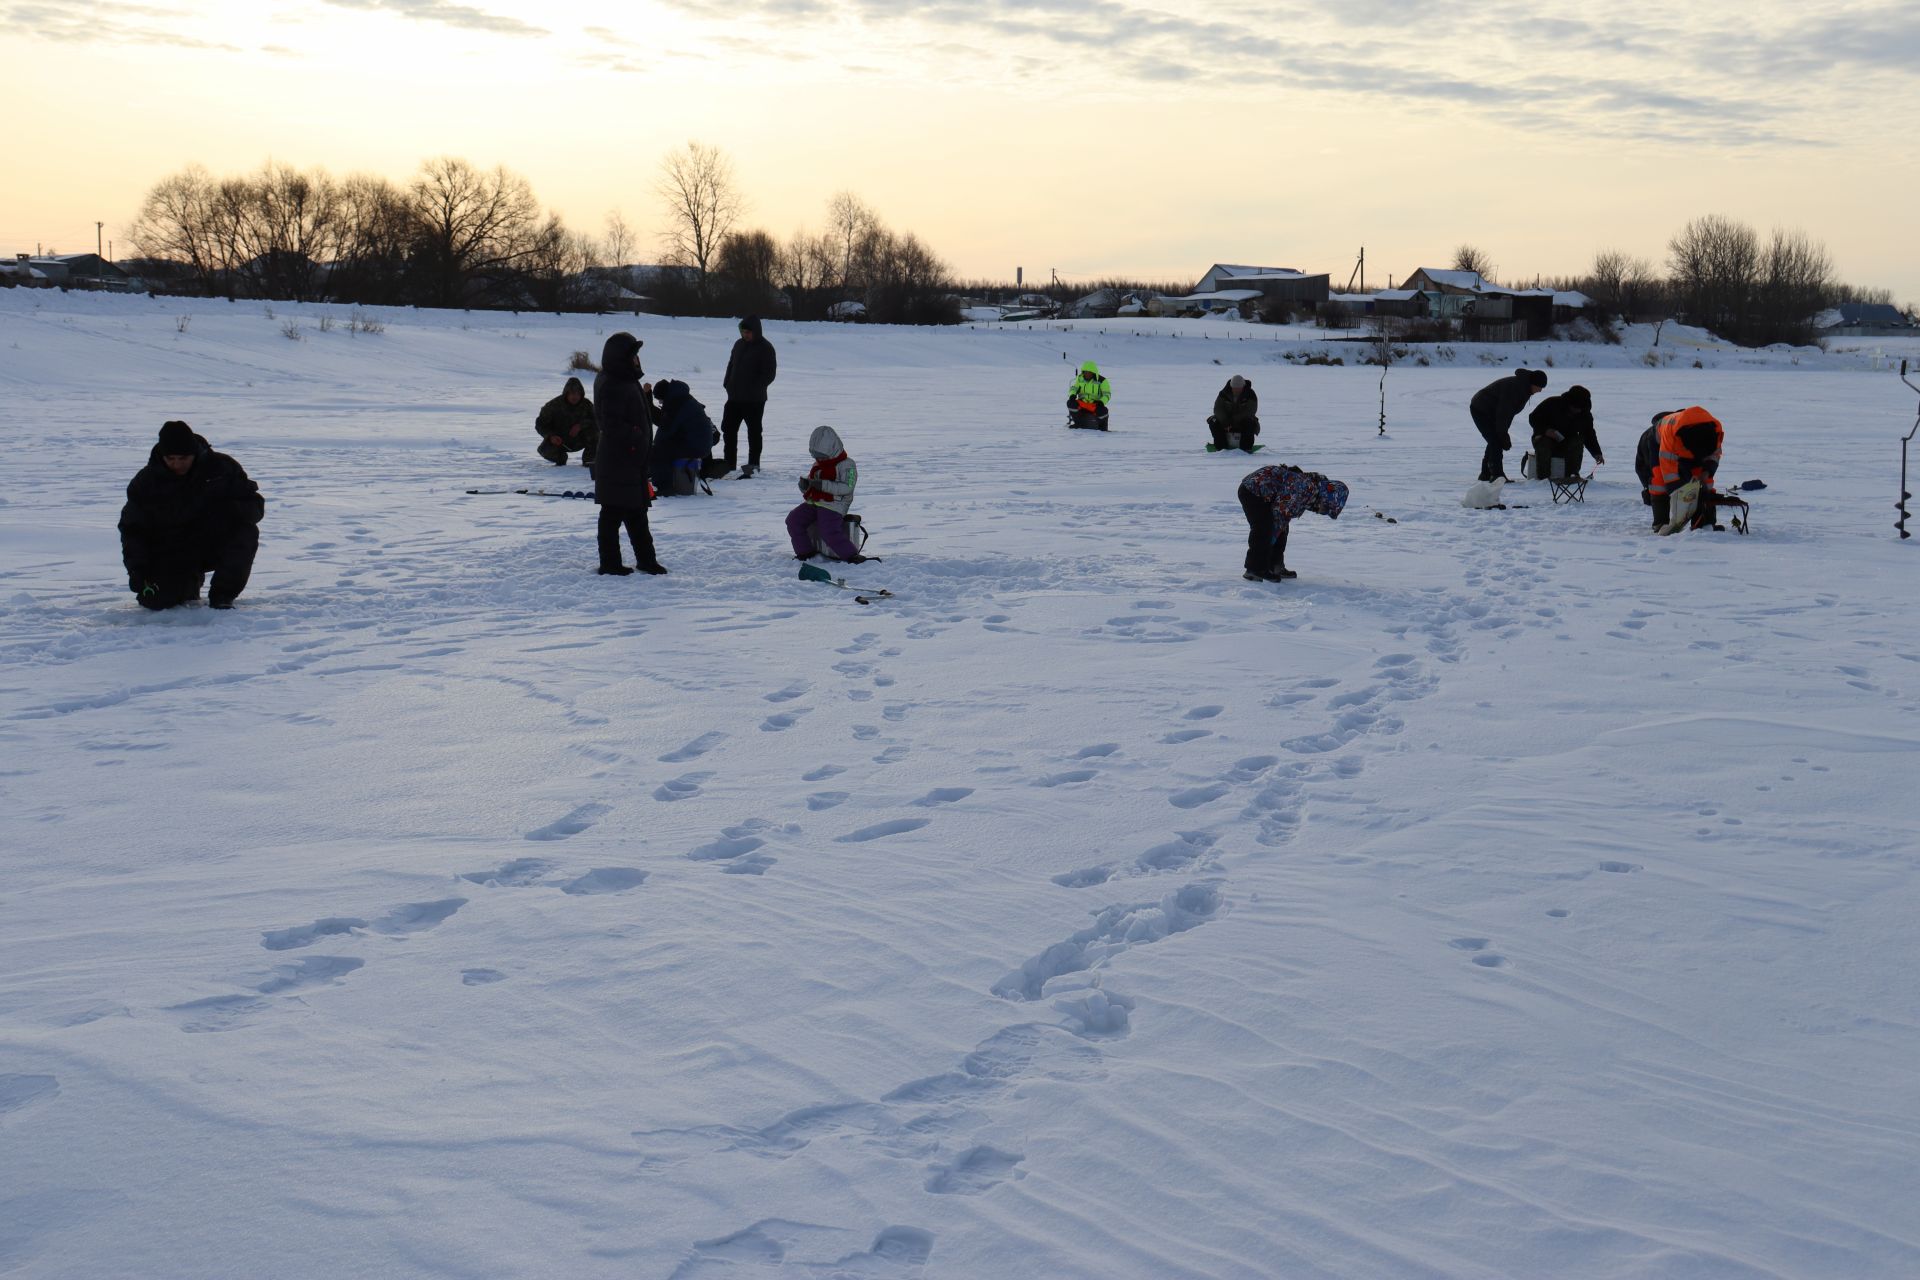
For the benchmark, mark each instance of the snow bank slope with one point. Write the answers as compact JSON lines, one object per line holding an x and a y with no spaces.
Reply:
{"x":1514,"y":894}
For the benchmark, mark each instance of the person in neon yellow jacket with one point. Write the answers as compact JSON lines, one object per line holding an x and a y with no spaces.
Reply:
{"x":1088,"y":397}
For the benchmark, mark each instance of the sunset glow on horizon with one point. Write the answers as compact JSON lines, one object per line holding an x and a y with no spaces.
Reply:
{"x":1092,"y":136}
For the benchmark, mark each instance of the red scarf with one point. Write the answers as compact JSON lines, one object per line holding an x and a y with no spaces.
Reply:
{"x":825,"y":469}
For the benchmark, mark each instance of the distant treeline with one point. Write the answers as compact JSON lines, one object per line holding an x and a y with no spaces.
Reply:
{"x":458,"y":236}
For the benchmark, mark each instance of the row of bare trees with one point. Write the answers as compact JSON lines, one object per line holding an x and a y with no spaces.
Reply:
{"x":457,"y":235}
{"x":1720,"y":274}
{"x":454,"y":235}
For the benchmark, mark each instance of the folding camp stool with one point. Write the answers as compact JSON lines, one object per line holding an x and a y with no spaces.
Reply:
{"x":1569,"y":488}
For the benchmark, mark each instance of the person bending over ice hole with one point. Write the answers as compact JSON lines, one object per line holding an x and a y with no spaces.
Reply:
{"x":684,"y":444}
{"x":621,"y":410}
{"x":566,"y":426}
{"x":1236,"y":416}
{"x":1563,"y":432}
{"x":1273,"y":497}
{"x":1494,"y":407}
{"x":189,"y":511}
{"x":1087,"y":399}
{"x":827,"y":490}
{"x":1686,"y":448}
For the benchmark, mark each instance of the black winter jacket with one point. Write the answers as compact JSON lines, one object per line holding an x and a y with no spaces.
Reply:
{"x":1242,"y":413}
{"x":685,"y":432}
{"x":1558,"y":413}
{"x":625,"y":420}
{"x":1496,"y":405}
{"x":751,"y":366}
{"x":170,"y":521}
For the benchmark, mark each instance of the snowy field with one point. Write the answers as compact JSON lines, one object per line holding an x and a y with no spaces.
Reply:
{"x":1516,"y":894}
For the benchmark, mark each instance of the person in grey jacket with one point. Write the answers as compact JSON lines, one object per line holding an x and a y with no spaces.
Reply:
{"x":1494,"y":407}
{"x":623,"y":412}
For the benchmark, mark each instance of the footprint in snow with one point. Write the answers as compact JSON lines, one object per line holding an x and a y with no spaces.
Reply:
{"x":481,"y":977}
{"x":695,"y":749}
{"x":605,"y":880}
{"x":972,"y":1172}
{"x":684,"y":787}
{"x":820,"y":800}
{"x":824,"y":772}
{"x":880,"y":830}
{"x":515,"y":874}
{"x":784,"y":720}
{"x":1203,"y":713}
{"x":1179,"y":736}
{"x":943,"y":795}
{"x":1194,"y":797}
{"x":795,"y":690}
{"x":578,"y":820}
{"x":1069,"y":778}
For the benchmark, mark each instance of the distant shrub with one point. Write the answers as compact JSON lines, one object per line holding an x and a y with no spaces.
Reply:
{"x":582,"y":362}
{"x":182,"y":323}
{"x":291,"y":329}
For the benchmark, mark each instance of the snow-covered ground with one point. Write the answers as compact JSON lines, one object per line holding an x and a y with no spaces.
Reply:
{"x":1516,"y":894}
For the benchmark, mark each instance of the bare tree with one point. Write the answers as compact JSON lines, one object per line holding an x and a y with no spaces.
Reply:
{"x":619,"y":241}
{"x":377,"y":234}
{"x":1796,"y":283}
{"x":1620,"y":283}
{"x":810,"y":268}
{"x":470,"y":225}
{"x":702,"y":204}
{"x":849,"y":221}
{"x":1715,"y":264}
{"x":175,"y":224}
{"x":1469,"y":258}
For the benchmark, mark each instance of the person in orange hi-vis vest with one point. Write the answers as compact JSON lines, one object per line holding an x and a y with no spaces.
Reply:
{"x":1690,"y":442}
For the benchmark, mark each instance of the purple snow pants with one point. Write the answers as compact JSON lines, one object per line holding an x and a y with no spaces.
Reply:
{"x":833,"y":531}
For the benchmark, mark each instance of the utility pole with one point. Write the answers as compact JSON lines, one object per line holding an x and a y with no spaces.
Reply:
{"x":99,"y":250}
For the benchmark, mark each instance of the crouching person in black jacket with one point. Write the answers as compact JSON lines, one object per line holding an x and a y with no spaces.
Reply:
{"x":1563,"y":432}
{"x":189,"y":512}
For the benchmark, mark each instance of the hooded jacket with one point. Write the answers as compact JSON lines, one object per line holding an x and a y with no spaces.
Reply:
{"x":169,"y":521}
{"x":1496,"y":405}
{"x":830,"y":481}
{"x":1237,"y":412}
{"x":751,"y":366}
{"x":558,"y":418}
{"x":685,"y":432}
{"x":1090,"y":387}
{"x":1571,"y":416}
{"x":1690,"y":443}
{"x":1293,"y":492}
{"x":625,"y":421}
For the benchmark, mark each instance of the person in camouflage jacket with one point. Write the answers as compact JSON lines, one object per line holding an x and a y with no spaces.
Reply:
{"x":1272,"y":498}
{"x":566,"y":426}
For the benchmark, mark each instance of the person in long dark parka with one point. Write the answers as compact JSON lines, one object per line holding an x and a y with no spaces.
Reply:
{"x":621,"y":410}
{"x":750,"y":371}
{"x":189,"y":511}
{"x":1563,"y":428}
{"x":1494,"y":407}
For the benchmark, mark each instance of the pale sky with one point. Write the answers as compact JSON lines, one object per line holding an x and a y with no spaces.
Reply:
{"x":1098,"y":137}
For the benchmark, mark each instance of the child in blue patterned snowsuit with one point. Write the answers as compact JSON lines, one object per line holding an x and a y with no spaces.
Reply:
{"x":1272,"y":497}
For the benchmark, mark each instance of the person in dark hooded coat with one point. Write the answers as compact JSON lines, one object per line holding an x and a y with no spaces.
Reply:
{"x":189,"y":511}
{"x":1494,"y":407}
{"x":566,"y":426}
{"x":622,"y":412}
{"x":1563,"y":428}
{"x":1235,"y":409}
{"x":685,"y":433}
{"x":1272,"y":499}
{"x":750,"y":371}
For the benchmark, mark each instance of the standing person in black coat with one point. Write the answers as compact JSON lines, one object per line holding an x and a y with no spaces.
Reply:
{"x":1494,"y":407}
{"x":1563,"y":429}
{"x":190,"y":510}
{"x":621,"y":411}
{"x":750,"y":371}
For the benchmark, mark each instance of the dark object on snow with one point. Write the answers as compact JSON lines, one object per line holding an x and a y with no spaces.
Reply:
{"x":567,"y":417}
{"x":179,"y":525}
{"x":1493,"y":409}
{"x":1236,"y":416}
{"x":683,"y":446}
{"x":625,"y":420}
{"x":1272,"y":498}
{"x":751,"y":368}
{"x":540,"y":493}
{"x":1751,"y":485}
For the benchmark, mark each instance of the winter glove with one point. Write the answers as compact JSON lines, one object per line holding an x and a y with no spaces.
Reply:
{"x":149,"y":596}
{"x":805,"y":484}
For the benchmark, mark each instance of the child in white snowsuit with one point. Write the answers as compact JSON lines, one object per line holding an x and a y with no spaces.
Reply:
{"x":828,"y":491}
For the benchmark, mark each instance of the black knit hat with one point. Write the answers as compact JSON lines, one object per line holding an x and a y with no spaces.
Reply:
{"x":1536,"y":376}
{"x":1580,"y":396}
{"x":176,"y":440}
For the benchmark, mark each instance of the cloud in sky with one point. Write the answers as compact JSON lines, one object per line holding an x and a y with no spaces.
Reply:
{"x":453,"y":15}
{"x":85,"y":22}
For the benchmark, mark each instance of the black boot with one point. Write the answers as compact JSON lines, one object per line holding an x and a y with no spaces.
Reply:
{"x":615,"y":570}
{"x":652,"y":566}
